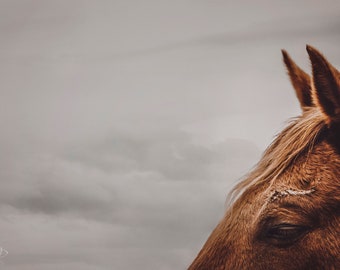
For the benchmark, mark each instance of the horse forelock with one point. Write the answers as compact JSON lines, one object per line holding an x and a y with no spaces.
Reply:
{"x":297,"y":138}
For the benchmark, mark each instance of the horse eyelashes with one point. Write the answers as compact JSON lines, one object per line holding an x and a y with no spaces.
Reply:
{"x":284,"y":231}
{"x":284,"y":234}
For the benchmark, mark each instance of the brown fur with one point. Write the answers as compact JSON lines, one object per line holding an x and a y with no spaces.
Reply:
{"x":300,"y":81}
{"x":286,"y":212}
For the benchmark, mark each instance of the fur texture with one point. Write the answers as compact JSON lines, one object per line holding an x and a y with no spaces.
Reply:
{"x":285,"y":214}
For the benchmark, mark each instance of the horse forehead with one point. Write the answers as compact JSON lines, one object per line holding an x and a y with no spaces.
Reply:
{"x":277,"y":194}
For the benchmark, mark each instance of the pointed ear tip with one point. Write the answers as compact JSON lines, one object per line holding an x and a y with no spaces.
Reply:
{"x":311,"y":50}
{"x":285,"y":56}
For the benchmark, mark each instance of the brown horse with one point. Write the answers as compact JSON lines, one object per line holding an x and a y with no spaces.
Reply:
{"x":286,"y":212}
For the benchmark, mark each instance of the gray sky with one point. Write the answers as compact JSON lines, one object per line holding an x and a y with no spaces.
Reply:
{"x":124,"y":124}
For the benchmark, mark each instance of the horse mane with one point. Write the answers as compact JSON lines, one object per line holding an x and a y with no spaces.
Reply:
{"x":297,"y":138}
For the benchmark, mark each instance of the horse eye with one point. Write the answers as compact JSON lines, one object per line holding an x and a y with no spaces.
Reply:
{"x":285,"y":233}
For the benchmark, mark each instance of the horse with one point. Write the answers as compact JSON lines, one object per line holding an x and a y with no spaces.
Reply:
{"x":285,"y":213}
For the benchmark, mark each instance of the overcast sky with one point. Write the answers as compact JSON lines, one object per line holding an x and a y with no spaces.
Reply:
{"x":125,"y":123}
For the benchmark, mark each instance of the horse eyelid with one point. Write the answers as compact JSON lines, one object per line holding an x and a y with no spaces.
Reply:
{"x":285,"y":230}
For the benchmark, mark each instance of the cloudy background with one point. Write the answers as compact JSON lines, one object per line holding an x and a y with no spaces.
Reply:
{"x":125,"y":123}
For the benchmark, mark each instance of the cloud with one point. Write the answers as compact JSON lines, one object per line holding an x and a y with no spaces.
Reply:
{"x":122,"y":194}
{"x":96,"y":176}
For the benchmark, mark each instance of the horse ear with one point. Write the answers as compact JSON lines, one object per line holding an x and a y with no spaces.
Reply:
{"x":326,"y":84}
{"x":301,"y":81}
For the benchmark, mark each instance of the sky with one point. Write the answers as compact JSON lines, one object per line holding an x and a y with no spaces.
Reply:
{"x":125,"y":123}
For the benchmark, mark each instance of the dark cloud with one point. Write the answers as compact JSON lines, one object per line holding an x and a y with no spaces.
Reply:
{"x":157,"y":202}
{"x":98,"y":177}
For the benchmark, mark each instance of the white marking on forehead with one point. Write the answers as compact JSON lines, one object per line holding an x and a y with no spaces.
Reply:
{"x":284,"y":193}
